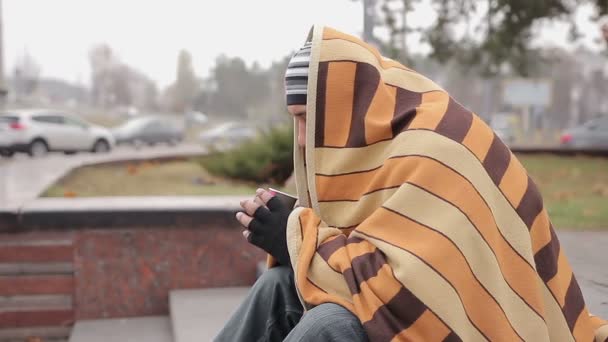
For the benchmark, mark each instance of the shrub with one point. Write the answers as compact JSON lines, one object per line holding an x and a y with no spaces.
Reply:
{"x":267,"y":159}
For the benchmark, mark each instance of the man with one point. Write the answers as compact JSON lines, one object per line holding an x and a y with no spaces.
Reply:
{"x":272,"y":308}
{"x":416,"y":222}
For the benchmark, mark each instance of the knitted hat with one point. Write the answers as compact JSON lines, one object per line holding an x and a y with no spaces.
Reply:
{"x":296,"y":76}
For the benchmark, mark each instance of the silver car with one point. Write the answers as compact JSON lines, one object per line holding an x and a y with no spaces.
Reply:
{"x":592,"y":134}
{"x":38,"y":131}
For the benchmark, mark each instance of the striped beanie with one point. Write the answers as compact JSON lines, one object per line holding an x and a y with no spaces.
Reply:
{"x":296,"y":76}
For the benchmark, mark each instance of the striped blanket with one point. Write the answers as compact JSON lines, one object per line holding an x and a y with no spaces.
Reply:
{"x":416,"y":217}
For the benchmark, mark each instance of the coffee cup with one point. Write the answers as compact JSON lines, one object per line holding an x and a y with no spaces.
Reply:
{"x":287,"y":199}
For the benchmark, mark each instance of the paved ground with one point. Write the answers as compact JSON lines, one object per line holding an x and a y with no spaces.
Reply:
{"x":198,"y":315}
{"x":139,"y":329}
{"x":586,"y":252}
{"x":22,"y":178}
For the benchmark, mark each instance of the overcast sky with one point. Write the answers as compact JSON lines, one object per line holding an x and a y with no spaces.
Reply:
{"x":149,"y":34}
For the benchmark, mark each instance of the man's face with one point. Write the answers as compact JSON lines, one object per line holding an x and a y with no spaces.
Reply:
{"x":299,"y":112}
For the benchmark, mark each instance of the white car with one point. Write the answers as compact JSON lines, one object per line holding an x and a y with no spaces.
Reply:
{"x":38,"y":131}
{"x":227,"y":135}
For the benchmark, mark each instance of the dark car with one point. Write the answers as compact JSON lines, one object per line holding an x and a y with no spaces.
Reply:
{"x":149,"y":130}
{"x":228,"y":135}
{"x":592,"y":134}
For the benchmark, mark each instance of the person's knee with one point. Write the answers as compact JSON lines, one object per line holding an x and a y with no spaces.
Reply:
{"x":328,"y":314}
{"x":273,"y":278}
{"x":333,"y":323}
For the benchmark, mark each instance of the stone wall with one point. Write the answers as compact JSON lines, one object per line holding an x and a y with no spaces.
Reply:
{"x":123,"y":266}
{"x":129,"y":272}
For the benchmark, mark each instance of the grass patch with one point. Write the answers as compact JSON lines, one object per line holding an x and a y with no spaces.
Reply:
{"x":574,"y":189}
{"x":174,"y":178}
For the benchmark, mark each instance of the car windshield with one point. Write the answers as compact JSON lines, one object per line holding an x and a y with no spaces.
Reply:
{"x":134,"y":124}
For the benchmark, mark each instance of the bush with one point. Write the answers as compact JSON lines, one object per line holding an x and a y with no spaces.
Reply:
{"x":267,"y":159}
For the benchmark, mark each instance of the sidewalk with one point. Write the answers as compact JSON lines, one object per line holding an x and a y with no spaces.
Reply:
{"x":24,"y":179}
{"x":586,"y":252}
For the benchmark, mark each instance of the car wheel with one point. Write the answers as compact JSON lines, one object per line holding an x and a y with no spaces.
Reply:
{"x":101,"y":146}
{"x":38,"y":148}
{"x":6,"y":153}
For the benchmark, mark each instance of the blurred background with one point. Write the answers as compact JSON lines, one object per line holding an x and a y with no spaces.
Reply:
{"x":531,"y":69}
{"x":197,"y":80}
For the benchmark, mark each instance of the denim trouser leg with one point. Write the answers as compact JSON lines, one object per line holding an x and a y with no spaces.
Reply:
{"x":268,"y":313}
{"x":328,"y":322}
{"x":272,"y":312}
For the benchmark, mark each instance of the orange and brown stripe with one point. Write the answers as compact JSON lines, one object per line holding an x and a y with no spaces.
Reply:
{"x":453,"y":267}
{"x":428,"y":327}
{"x":320,"y":106}
{"x":516,"y":271}
{"x":366,"y":109}
{"x":395,"y":317}
{"x":390,"y":145}
{"x":406,"y":103}
{"x":456,"y":122}
{"x":367,"y":79}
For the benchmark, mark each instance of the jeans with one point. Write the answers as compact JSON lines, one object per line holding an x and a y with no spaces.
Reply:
{"x":272,"y":312}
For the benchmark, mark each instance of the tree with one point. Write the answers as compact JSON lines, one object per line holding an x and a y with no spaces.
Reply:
{"x":109,"y":78}
{"x":101,"y":59}
{"x":186,"y":85}
{"x":501,"y":39}
{"x":114,"y":83}
{"x":237,"y":90}
{"x":26,"y":75}
{"x":602,"y":7}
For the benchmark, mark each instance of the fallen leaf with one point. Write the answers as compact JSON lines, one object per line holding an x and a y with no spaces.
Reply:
{"x":563,"y":195}
{"x":589,"y":212}
{"x":132,"y":169}
{"x":69,"y":194}
{"x":600,"y":189}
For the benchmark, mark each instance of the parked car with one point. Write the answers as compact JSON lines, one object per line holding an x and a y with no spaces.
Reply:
{"x":38,"y":131}
{"x":228,"y":135}
{"x":149,"y":130}
{"x":592,"y":134}
{"x":196,"y":118}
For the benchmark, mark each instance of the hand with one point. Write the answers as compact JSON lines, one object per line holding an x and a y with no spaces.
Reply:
{"x":265,"y":217}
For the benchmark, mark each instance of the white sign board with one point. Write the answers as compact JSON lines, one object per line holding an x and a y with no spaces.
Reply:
{"x":527,"y":92}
